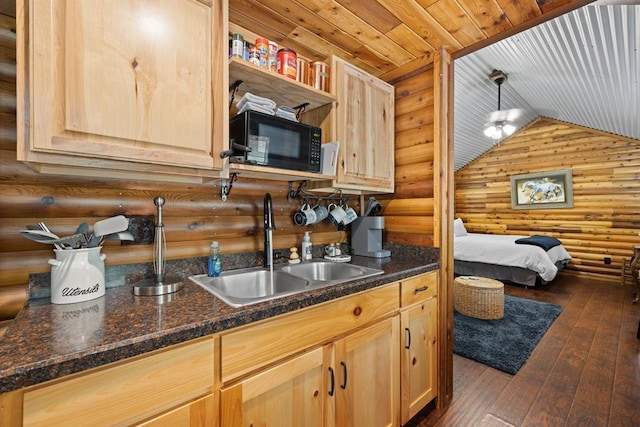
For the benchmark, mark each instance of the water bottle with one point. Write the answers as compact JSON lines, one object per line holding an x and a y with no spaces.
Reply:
{"x":214,"y":265}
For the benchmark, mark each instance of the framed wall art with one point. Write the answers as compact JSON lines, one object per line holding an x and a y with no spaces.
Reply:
{"x":542,"y":190}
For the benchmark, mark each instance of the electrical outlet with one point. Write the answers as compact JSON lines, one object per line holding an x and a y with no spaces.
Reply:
{"x":607,"y":260}
{"x":143,"y":230}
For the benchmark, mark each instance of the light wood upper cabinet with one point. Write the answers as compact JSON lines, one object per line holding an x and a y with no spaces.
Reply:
{"x":363,"y":122}
{"x":134,"y":85}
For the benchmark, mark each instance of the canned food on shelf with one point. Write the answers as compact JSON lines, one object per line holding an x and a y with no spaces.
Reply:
{"x":319,"y":76}
{"x":302,"y":70}
{"x":287,"y":63}
{"x":237,"y":45}
{"x":254,"y":55}
{"x":272,"y":59}
{"x":262,"y":45}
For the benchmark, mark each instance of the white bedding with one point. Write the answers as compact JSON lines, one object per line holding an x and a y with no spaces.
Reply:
{"x":502,"y":250}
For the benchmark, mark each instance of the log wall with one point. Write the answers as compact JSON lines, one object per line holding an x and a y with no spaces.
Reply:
{"x":409,"y":211}
{"x":604,"y":221}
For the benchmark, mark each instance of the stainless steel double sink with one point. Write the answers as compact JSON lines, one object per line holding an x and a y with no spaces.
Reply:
{"x":242,"y":287}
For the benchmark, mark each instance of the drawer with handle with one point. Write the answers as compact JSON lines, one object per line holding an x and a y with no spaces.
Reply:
{"x":418,"y":288}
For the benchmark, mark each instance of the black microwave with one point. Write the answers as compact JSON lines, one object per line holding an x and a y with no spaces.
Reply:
{"x":261,"y":139}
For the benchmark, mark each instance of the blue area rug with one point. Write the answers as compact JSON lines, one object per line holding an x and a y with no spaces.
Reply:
{"x":507,"y":343}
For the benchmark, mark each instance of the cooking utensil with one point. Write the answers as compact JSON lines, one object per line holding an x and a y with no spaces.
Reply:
{"x":122,"y":235}
{"x":44,"y":237}
{"x":103,"y":228}
{"x":44,"y":227}
{"x":76,"y":241}
{"x":82,"y":228}
{"x":39,"y":235}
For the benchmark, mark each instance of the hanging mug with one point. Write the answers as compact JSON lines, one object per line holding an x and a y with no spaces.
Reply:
{"x":306,"y":216}
{"x":321,"y":213}
{"x":336,"y":214}
{"x":350,"y":215}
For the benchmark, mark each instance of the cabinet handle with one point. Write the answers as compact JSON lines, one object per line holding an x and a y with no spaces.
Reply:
{"x":344,"y":370}
{"x":422,"y":289}
{"x":333,"y":382}
{"x":408,"y":345}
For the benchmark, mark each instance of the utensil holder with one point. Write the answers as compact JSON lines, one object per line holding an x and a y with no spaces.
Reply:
{"x":77,"y":275}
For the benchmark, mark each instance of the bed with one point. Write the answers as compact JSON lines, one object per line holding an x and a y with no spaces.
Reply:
{"x":500,"y":257}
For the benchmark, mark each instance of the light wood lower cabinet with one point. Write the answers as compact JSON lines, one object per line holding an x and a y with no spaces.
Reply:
{"x":249,"y":349}
{"x":289,"y":394}
{"x":334,"y":364}
{"x":353,"y":381}
{"x":172,"y":384}
{"x":419,"y":317}
{"x":368,"y":376}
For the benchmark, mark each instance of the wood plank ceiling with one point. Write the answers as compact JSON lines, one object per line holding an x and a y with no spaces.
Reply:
{"x":387,"y":38}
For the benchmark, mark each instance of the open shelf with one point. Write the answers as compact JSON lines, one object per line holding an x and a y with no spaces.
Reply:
{"x":283,"y":90}
{"x":265,"y":172}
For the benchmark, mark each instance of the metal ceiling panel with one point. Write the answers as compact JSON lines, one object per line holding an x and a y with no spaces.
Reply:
{"x":582,"y":67}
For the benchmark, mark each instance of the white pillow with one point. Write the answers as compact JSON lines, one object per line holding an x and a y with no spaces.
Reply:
{"x":458,"y":228}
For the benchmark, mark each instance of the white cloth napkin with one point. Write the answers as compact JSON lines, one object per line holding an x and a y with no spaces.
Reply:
{"x":256,"y":100}
{"x":256,"y":107}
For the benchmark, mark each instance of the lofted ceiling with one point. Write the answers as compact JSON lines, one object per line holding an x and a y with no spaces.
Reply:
{"x":582,"y":67}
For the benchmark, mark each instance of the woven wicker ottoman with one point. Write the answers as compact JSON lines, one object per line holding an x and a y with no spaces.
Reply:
{"x":478,"y":297}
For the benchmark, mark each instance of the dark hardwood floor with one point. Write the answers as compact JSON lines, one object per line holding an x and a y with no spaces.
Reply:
{"x":584,"y":372}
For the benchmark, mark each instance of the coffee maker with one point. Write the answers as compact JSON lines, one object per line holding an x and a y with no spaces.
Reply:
{"x":366,"y":237}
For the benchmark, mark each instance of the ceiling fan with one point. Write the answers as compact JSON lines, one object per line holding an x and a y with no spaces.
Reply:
{"x":501,"y":122}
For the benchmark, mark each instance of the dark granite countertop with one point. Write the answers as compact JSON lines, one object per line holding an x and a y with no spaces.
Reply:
{"x":47,"y":341}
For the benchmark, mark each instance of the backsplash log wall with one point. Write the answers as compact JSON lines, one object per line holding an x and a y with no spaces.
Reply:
{"x":604,"y":221}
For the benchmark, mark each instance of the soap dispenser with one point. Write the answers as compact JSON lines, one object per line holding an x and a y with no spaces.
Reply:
{"x":306,"y":246}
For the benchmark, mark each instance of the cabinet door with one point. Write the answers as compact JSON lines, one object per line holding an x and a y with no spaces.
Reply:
{"x":201,"y":413}
{"x":365,"y":129}
{"x":419,"y":357}
{"x":126,"y":81}
{"x":289,"y":394}
{"x":367,"y":376}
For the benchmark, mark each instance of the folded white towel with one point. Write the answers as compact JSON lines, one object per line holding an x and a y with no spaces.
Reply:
{"x":256,"y":107}
{"x":255,"y":99}
{"x":285,"y":114}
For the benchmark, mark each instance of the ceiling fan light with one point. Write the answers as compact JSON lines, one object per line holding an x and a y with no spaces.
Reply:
{"x":490,"y":130}
{"x":497,"y":134}
{"x":508,"y":129}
